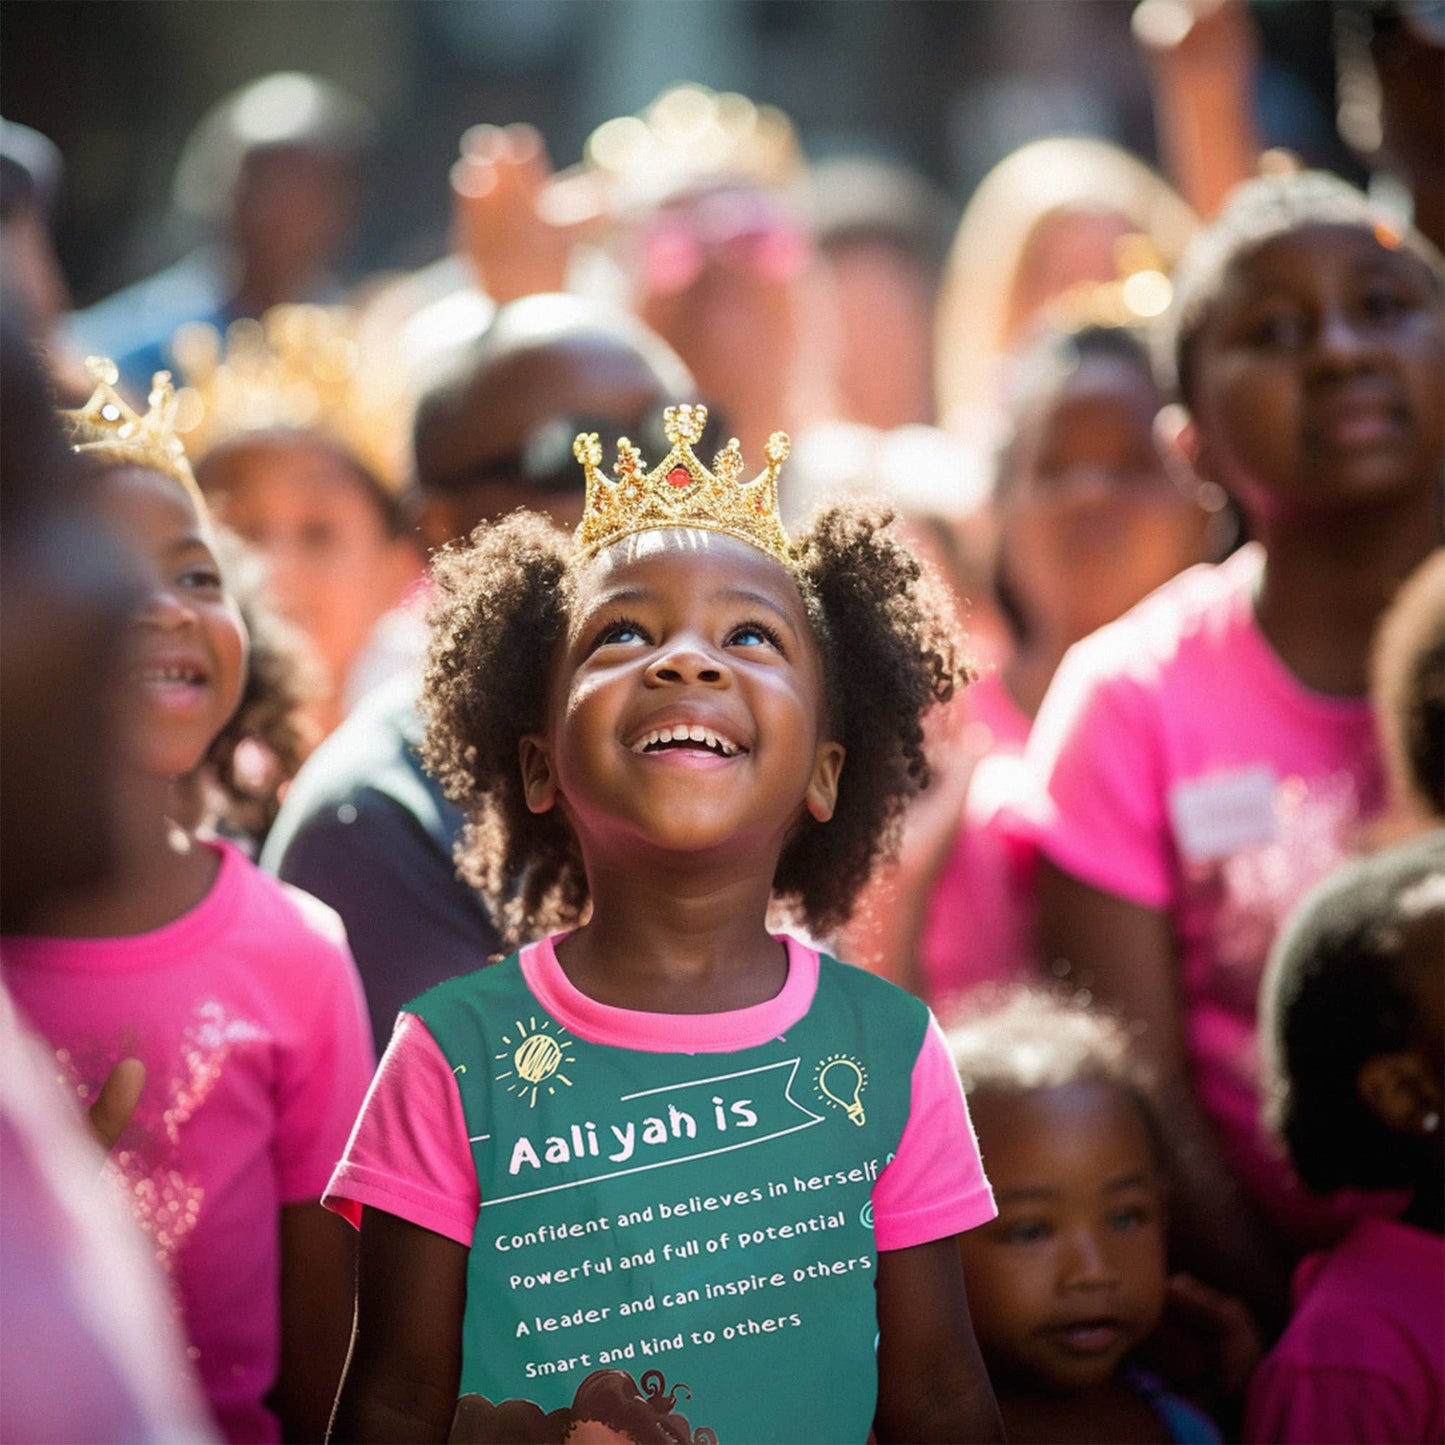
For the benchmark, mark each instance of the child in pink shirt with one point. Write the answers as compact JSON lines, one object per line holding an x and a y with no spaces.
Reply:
{"x":1209,"y":756}
{"x":1353,"y":1009}
{"x":1090,"y":520}
{"x":238,"y":995}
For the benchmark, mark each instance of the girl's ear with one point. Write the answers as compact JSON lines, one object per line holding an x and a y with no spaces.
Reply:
{"x":822,"y":795}
{"x":1401,"y":1092}
{"x":539,"y":782}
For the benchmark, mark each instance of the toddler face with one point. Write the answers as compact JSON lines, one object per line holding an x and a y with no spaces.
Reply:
{"x":1320,"y":373}
{"x":1071,"y":1276}
{"x":687,"y":701}
{"x":186,"y":644}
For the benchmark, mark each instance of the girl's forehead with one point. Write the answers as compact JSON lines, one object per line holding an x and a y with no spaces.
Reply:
{"x":1314,"y":255}
{"x":684,"y":562}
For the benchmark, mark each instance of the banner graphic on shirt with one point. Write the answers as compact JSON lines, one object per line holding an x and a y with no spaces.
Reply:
{"x":654,"y":1128}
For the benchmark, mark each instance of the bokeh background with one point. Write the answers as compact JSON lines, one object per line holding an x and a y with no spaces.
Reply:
{"x":948,"y":86}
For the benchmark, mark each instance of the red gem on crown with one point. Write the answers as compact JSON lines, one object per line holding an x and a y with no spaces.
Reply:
{"x":679,"y":477}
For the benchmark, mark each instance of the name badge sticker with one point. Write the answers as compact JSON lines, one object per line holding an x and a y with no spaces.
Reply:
{"x":1224,"y":812}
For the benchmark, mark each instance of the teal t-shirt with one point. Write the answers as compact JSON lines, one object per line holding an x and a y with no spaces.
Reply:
{"x":674,"y":1246}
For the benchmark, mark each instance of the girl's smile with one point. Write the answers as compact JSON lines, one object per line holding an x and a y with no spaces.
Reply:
{"x":687,"y":707}
{"x":186,"y":645}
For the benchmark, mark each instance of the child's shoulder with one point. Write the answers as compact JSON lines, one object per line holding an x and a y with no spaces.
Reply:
{"x":1201,"y":612}
{"x":278,"y":916}
{"x":878,"y":1001}
{"x":492,"y":983}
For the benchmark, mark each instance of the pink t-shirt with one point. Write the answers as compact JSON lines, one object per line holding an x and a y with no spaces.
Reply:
{"x":978,"y":924}
{"x":1363,"y":1358}
{"x":247,"y":1013}
{"x":1181,"y":766}
{"x":409,"y":1154}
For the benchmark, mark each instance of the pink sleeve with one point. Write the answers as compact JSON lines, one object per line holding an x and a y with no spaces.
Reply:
{"x":409,"y":1154}
{"x":322,"y":1076}
{"x":934,"y":1185}
{"x":1096,"y":806}
{"x":1294,"y":1404}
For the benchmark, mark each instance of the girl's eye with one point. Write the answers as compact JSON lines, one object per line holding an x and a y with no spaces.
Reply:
{"x":1383,"y":304}
{"x":1026,"y":1231}
{"x":204,"y":578}
{"x":620,"y":633}
{"x":1284,"y":329}
{"x":753,"y":634}
{"x":1124,"y":1220}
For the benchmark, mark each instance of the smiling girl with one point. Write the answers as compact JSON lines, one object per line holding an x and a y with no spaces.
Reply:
{"x":237,"y":993}
{"x":666,"y":1134}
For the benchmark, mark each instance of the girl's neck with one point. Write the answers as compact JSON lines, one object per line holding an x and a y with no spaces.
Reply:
{"x":668,"y":940}
{"x":1110,"y":1412}
{"x":160,"y":873}
{"x":1030,"y":668}
{"x":1326,"y":584}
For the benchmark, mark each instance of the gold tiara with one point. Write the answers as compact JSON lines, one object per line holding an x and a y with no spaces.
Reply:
{"x":299,"y":368}
{"x":109,"y":428}
{"x":680,"y":491}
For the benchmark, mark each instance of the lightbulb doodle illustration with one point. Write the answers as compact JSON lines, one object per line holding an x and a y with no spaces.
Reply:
{"x":841,"y":1081}
{"x":536,"y":1055}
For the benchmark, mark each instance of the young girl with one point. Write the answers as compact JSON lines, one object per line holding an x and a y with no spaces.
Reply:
{"x":1353,"y":1010}
{"x":1208,"y":757}
{"x":1071,"y":1277}
{"x":668,"y":1145}
{"x":1090,"y":520}
{"x":237,"y":994}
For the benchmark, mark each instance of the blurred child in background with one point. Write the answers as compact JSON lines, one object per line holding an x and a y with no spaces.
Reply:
{"x":1353,"y":1014}
{"x":238,"y":995}
{"x":1089,"y":521}
{"x":1207,"y":758}
{"x":1071,"y":1278}
{"x":302,"y":445}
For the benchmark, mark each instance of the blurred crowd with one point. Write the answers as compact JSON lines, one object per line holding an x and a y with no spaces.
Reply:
{"x":1174,"y":442}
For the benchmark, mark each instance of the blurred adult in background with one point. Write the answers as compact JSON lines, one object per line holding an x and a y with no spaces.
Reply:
{"x":364,"y":827}
{"x":299,"y":429}
{"x":883,"y":231}
{"x":1059,"y":215}
{"x":272,"y":175}
{"x":694,"y":215}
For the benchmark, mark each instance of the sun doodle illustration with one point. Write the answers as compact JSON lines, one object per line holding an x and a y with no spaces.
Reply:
{"x":536,"y":1055}
{"x":841,"y":1080}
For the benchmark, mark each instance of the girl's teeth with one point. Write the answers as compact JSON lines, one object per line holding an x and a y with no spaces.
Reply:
{"x":664,"y":735}
{"x":697,"y":734}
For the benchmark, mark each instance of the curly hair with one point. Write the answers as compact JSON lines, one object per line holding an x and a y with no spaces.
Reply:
{"x":887,"y":638}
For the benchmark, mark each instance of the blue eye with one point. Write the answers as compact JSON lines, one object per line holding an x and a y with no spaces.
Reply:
{"x":620,"y":633}
{"x":753,"y":634}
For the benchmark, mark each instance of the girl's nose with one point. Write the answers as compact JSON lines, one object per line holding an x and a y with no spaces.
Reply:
{"x":165,"y":608}
{"x":688,"y":664}
{"x":1087,"y":1264}
{"x":1340,"y":341}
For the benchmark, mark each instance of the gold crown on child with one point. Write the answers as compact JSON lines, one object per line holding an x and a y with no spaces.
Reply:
{"x":109,"y":428}
{"x":680,"y":491}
